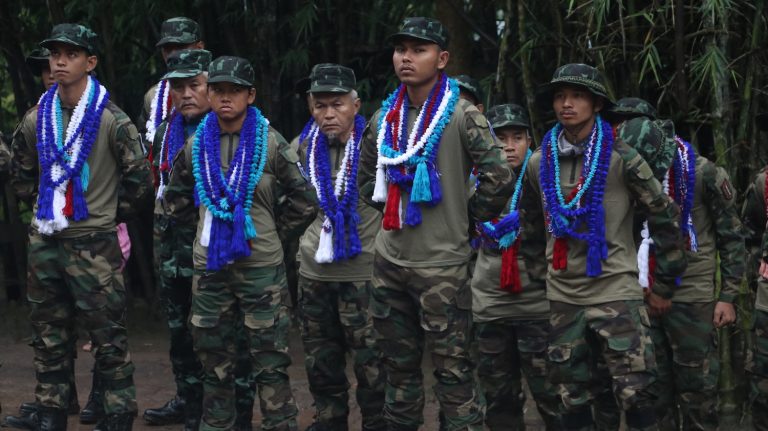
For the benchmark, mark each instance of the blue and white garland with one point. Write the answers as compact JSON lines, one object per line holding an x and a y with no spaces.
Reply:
{"x":504,"y":232}
{"x":159,"y":109}
{"x":339,"y":238}
{"x":173,"y":141}
{"x":63,"y":156}
{"x":227,"y":224}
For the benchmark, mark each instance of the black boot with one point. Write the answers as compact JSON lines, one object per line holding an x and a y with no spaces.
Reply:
{"x":42,"y":419}
{"x":243,"y":421}
{"x":94,"y":408}
{"x":26,"y":409}
{"x":116,"y":422}
{"x":193,"y":411}
{"x":170,"y":413}
{"x":338,"y":424}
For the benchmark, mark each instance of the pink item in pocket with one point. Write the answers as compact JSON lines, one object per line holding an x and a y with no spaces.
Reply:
{"x":125,"y":243}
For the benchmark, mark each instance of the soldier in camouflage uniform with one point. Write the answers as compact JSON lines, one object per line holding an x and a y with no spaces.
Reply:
{"x":470,"y":90}
{"x":334,"y":296}
{"x":37,"y":61}
{"x":511,"y":328}
{"x":684,"y":338}
{"x":602,"y":314}
{"x":250,"y":291}
{"x":173,"y":240}
{"x":421,"y":292}
{"x":74,"y":272}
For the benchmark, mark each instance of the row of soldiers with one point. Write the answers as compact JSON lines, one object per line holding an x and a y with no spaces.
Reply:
{"x":594,"y":278}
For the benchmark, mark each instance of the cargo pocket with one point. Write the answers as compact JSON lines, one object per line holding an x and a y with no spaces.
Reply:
{"x":534,"y":351}
{"x":559,"y":356}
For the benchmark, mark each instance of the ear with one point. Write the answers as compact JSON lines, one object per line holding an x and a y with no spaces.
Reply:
{"x":442,"y":59}
{"x":251,"y":95}
{"x":92,"y":62}
{"x":357,"y":104}
{"x":599,"y":104}
{"x":480,"y":107}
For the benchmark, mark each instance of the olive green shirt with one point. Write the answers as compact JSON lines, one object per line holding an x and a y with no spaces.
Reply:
{"x":120,"y":184}
{"x":442,"y":239}
{"x":754,"y":217}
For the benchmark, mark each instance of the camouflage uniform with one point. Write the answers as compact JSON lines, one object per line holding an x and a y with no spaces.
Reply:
{"x":511,"y":328}
{"x":334,"y":298}
{"x":421,"y":292}
{"x":252,"y":290}
{"x":604,"y":315}
{"x":470,"y":86}
{"x":75,"y":272}
{"x":5,"y":156}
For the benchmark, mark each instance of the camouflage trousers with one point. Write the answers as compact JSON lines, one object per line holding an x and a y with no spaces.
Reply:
{"x":335,"y":321}
{"x":251,"y":300}
{"x":505,"y":348}
{"x":757,"y":369}
{"x":79,"y":279}
{"x":617,"y":331}
{"x":418,"y":308}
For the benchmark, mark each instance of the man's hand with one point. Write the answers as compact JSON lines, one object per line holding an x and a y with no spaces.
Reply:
{"x":657,"y":305}
{"x":725,"y":314}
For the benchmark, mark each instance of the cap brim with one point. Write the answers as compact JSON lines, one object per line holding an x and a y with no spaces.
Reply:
{"x":545,"y":92}
{"x":329,"y":89}
{"x":175,"y":74}
{"x":63,"y":39}
{"x":510,"y":123}
{"x":232,"y":79}
{"x":175,"y":40}
{"x":405,"y":34}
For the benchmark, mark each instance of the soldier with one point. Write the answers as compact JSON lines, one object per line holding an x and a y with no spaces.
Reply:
{"x":91,"y":173}
{"x":686,"y":354}
{"x":580,"y":189}
{"x":421,"y":293}
{"x":187,"y":79}
{"x":37,"y":61}
{"x":336,"y":258}
{"x":509,"y":310}
{"x":239,"y":275}
{"x":470,"y":90}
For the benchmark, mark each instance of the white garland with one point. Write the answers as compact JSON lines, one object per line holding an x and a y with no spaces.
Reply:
{"x":151,"y":121}
{"x":643,"y":253}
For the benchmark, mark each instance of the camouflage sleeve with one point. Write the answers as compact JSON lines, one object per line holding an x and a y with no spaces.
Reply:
{"x":179,"y":193}
{"x":24,"y":164}
{"x":366,"y":174}
{"x":753,"y":211}
{"x":135,"y":192}
{"x":663,"y":219}
{"x":5,"y":156}
{"x":300,"y":206}
{"x":141,"y":122}
{"x":720,"y":198}
{"x":495,"y":181}
{"x":533,"y":235}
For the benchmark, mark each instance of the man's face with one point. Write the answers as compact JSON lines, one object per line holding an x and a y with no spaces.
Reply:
{"x":417,"y":61}
{"x":575,"y":105}
{"x":70,"y":63}
{"x":334,"y":113}
{"x":229,"y":101}
{"x":170,"y":48}
{"x":46,"y":76}
{"x":190,"y":96}
{"x":516,"y":141}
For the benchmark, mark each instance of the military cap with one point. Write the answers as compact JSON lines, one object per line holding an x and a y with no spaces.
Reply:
{"x":630,"y":107}
{"x":508,"y":115}
{"x":187,"y":63}
{"x":578,"y":74}
{"x":236,"y":70}
{"x":419,"y":27}
{"x":72,"y":34}
{"x":471,"y":85}
{"x":37,"y":59}
{"x":653,"y":139}
{"x":180,"y":30}
{"x":331,"y":78}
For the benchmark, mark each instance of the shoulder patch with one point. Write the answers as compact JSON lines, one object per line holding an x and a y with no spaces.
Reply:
{"x":726,"y":189}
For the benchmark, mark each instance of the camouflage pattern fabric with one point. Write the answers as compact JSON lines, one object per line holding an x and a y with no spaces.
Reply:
{"x":653,"y":139}
{"x":417,"y":309}
{"x":187,"y":63}
{"x":618,"y":331}
{"x":334,"y":321}
{"x":79,"y":278}
{"x":236,"y":70}
{"x":179,"y":30}
{"x":757,"y":370}
{"x":505,"y":348}
{"x":331,"y":78}
{"x":5,"y":156}
{"x":73,"y":34}
{"x":471,"y":86}
{"x":254,"y":299}
{"x":428,"y":29}
{"x":687,"y":366}
{"x":630,"y":107}
{"x":508,"y":115}
{"x":577,"y":74}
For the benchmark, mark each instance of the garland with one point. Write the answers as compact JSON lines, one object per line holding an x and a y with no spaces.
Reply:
{"x":63,"y":156}
{"x":159,"y":109}
{"x":505,"y":233}
{"x":584,"y":205}
{"x":227,"y":225}
{"x":338,"y":199}
{"x":173,"y":141}
{"x":407,"y":162}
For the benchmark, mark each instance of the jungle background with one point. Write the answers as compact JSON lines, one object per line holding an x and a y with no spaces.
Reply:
{"x":701,"y":62}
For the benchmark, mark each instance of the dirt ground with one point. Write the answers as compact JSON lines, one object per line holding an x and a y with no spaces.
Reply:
{"x":154,"y":382}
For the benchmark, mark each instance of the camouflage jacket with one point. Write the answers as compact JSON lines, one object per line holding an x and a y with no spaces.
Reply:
{"x":121,"y":184}
{"x":5,"y":156}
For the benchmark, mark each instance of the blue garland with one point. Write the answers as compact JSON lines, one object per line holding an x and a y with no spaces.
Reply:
{"x":175,"y":142}
{"x":565,"y":218}
{"x":229,"y":199}
{"x":160,"y":108}
{"x":342,"y":214}
{"x":685,"y":188}
{"x":504,"y":232}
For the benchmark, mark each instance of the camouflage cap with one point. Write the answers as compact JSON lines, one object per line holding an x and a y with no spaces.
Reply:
{"x":331,"y":78}
{"x":72,"y":34}
{"x":179,"y":30}
{"x":187,"y":63}
{"x":37,"y":60}
{"x":653,"y":139}
{"x":471,"y":85}
{"x":419,"y":27}
{"x":508,"y":115}
{"x":578,"y":74}
{"x":236,"y":70}
{"x":630,"y":107}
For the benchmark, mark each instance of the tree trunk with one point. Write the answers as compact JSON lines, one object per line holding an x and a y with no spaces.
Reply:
{"x":525,"y":64}
{"x":502,"y":86}
{"x":460,"y":42}
{"x":681,"y":83}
